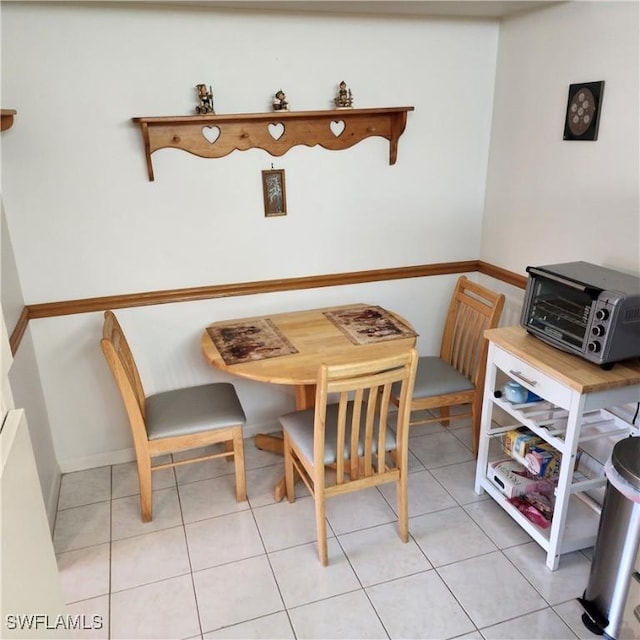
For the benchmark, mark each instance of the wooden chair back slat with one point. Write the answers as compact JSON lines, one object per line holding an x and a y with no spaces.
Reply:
{"x":354,"y":431}
{"x":341,"y":434}
{"x":473,"y":309}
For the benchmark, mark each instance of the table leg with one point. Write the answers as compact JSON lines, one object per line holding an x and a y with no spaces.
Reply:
{"x":268,"y":442}
{"x":279,"y":491}
{"x":305,"y":396}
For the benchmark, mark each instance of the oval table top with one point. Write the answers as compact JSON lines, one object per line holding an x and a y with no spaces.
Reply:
{"x":317,"y":339}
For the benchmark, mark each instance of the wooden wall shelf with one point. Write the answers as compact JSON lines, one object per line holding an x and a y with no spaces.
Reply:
{"x":6,"y":118}
{"x":215,"y":136}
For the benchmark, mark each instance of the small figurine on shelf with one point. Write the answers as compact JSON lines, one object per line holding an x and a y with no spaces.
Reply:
{"x":280,"y":101}
{"x":344,"y":99}
{"x":206,"y":99}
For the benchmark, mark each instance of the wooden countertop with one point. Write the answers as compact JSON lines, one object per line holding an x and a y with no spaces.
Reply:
{"x":570,"y":370}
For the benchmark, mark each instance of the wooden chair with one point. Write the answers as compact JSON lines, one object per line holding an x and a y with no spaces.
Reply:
{"x":350,"y":433}
{"x":456,"y":376}
{"x":176,"y":420}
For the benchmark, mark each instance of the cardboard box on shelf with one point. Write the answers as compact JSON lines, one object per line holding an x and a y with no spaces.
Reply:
{"x":519,"y":441}
{"x":543,"y":460}
{"x":513,"y":479}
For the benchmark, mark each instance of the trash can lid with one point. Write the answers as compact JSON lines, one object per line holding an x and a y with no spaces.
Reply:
{"x":626,"y":460}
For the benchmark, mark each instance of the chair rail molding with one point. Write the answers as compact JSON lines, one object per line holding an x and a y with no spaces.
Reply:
{"x":130,"y":300}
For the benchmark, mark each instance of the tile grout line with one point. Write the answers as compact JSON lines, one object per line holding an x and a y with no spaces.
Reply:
{"x":186,"y":544}
{"x":355,"y":573}
{"x":273,"y":573}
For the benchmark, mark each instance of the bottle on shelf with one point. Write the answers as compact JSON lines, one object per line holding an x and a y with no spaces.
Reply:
{"x":516,"y":393}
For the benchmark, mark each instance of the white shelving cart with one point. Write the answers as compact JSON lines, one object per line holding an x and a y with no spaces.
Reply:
{"x":582,"y":406}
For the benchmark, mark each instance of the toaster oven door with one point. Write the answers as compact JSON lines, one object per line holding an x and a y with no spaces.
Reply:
{"x":559,"y":310}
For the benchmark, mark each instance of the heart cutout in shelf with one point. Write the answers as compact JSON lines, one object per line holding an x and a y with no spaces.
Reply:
{"x":211,"y":134}
{"x":337,"y":127}
{"x":276,"y":130}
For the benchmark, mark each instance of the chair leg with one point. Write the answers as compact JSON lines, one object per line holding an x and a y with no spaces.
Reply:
{"x":288,"y":469}
{"x":146,"y":488}
{"x":445,"y":416}
{"x":321,"y":526}
{"x":476,"y":411}
{"x":403,"y":507}
{"x":238,"y":460}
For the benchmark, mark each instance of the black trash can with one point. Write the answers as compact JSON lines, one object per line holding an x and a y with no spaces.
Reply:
{"x":617,"y":542}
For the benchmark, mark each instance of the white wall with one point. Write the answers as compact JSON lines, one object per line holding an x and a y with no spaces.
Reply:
{"x":550,"y":200}
{"x":12,"y":298}
{"x":86,"y":222}
{"x":24,"y":379}
{"x":74,"y":176}
{"x":28,"y":394}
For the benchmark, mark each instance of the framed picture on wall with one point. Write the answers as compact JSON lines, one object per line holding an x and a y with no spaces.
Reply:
{"x":583,"y":111}
{"x":274,"y":193}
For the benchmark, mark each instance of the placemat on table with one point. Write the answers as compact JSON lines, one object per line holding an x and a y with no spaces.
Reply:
{"x":246,"y":341}
{"x":363,"y":325}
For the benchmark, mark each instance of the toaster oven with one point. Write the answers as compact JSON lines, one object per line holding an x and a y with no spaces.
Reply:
{"x":584,"y":309}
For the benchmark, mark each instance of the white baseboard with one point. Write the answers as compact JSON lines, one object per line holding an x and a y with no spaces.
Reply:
{"x":128,"y":455}
{"x":52,"y":500}
{"x":268,"y":427}
{"x":98,"y":460}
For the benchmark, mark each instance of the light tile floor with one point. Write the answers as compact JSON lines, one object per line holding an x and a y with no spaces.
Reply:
{"x":207,"y":567}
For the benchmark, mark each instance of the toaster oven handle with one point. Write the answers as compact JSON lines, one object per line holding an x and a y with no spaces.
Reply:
{"x":518,"y":374}
{"x":592,"y":292}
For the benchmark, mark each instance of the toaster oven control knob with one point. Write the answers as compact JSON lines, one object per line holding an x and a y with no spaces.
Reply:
{"x":594,"y":346}
{"x":598,"y":330}
{"x":602,"y":314}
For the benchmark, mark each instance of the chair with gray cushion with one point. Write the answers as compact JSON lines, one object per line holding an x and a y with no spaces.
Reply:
{"x":174,"y":421}
{"x":456,"y":376}
{"x":347,"y":429}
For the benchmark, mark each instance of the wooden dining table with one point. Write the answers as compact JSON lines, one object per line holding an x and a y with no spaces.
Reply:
{"x":288,"y":348}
